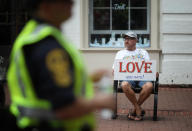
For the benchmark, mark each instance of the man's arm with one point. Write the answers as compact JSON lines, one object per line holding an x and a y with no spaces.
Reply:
{"x":97,"y":75}
{"x":82,"y":106}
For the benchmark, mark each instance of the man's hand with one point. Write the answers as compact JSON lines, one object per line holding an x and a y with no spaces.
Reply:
{"x":97,"y":75}
{"x":102,"y":100}
{"x":83,"y":106}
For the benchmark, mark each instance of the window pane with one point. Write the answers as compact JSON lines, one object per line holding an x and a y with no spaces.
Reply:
{"x":120,"y":20}
{"x":22,"y":18}
{"x":101,"y":19}
{"x":3,"y":18}
{"x":101,"y":3}
{"x":5,"y":5}
{"x":21,"y":6}
{"x":5,"y":33}
{"x":106,"y":40}
{"x":138,"y":3}
{"x":138,"y":19}
{"x":96,"y":39}
{"x":143,"y":40}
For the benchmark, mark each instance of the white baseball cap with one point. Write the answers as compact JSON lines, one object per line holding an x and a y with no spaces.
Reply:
{"x":130,"y":34}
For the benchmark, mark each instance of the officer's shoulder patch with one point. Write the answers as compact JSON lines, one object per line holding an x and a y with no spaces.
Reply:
{"x":57,"y":62}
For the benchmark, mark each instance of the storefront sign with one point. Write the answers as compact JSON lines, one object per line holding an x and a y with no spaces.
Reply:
{"x":134,"y":70}
{"x":119,"y":6}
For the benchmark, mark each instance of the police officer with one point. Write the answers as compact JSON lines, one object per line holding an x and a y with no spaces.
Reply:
{"x":47,"y":79}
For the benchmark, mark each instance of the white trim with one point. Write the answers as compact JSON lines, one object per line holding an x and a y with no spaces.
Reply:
{"x":153,"y":28}
{"x":116,"y":49}
{"x":84,"y":15}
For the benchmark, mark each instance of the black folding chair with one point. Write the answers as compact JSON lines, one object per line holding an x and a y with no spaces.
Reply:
{"x":118,"y":89}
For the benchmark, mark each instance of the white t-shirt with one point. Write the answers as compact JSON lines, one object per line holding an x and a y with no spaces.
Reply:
{"x":138,"y":54}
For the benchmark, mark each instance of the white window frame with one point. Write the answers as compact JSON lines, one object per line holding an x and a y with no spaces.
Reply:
{"x":154,"y":26}
{"x":92,"y":31}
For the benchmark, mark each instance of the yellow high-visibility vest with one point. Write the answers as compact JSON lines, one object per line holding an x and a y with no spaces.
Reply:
{"x":26,"y":106}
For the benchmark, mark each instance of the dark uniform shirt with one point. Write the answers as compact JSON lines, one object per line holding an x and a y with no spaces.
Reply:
{"x":52,"y":72}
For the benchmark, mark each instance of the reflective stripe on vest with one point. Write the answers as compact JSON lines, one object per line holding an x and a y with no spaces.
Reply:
{"x":41,"y":114}
{"x":18,"y":74}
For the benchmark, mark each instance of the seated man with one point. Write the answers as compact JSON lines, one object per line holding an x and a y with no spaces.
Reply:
{"x":132,"y":53}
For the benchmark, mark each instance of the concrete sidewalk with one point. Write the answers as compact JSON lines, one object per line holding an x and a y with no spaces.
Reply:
{"x":174,"y":113}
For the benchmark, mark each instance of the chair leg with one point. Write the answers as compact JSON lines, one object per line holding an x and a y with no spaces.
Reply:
{"x":115,"y":111}
{"x":155,"y":107}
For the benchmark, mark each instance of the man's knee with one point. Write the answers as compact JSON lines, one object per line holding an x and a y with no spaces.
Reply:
{"x":125,"y":85}
{"x":148,"y":86}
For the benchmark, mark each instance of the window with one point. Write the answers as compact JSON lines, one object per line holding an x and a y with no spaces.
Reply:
{"x":109,"y":19}
{"x":12,"y":19}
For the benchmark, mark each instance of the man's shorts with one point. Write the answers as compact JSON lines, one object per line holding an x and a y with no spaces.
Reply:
{"x":137,"y":83}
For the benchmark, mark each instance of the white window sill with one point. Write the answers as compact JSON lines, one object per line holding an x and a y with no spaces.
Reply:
{"x":114,"y":49}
